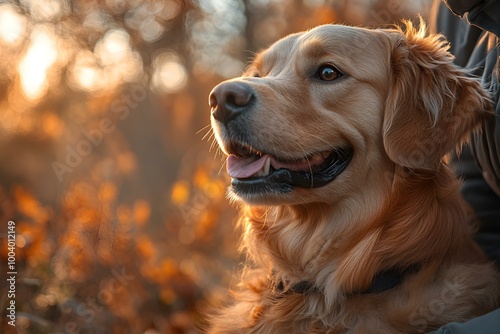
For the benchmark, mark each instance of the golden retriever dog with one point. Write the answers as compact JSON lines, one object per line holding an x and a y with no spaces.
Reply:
{"x":336,"y":141}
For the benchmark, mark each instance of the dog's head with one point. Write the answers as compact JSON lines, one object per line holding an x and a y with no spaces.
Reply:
{"x":336,"y":110}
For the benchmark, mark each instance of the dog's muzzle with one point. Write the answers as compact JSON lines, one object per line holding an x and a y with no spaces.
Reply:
{"x":257,"y":172}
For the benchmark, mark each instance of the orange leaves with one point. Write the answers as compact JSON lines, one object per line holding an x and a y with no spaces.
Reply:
{"x":138,"y":214}
{"x":126,"y":162}
{"x":200,"y":178}
{"x":203,"y":190}
{"x":29,"y":205}
{"x":31,"y":237}
{"x":107,"y":192}
{"x":198,"y":204}
{"x":52,"y":125}
{"x":161,"y":271}
{"x":167,"y":295}
{"x":212,"y":187}
{"x":169,"y":268}
{"x":180,"y":192}
{"x":206,"y":224}
{"x":124,"y":215}
{"x":145,"y":247}
{"x":79,"y":194}
{"x":142,"y":211}
{"x":85,"y":215}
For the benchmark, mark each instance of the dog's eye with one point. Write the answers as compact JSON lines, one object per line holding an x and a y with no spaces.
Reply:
{"x":252,"y":74}
{"x":328,"y":73}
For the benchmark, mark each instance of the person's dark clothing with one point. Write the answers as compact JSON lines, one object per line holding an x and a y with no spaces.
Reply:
{"x":475,"y":48}
{"x":473,"y":28}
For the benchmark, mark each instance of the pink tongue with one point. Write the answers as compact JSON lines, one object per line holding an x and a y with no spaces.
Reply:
{"x":244,"y":167}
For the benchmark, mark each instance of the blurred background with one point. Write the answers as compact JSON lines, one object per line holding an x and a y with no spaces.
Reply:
{"x":107,"y":164}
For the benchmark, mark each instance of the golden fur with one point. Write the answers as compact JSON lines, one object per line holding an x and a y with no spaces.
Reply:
{"x":403,"y":107}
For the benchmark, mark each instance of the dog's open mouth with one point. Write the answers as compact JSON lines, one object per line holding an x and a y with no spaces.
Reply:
{"x":253,"y":170}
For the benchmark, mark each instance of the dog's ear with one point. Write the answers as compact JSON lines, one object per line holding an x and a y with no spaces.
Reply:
{"x":432,"y":106}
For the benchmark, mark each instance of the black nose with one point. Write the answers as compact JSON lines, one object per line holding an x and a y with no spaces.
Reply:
{"x":229,"y":99}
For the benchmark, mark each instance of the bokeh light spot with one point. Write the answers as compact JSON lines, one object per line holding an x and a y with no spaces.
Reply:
{"x":20,"y":241}
{"x":45,"y":10}
{"x":169,"y":74}
{"x":113,"y":47}
{"x":142,"y":211}
{"x":12,"y":24}
{"x":52,"y":126}
{"x":41,"y":55}
{"x":150,"y":30}
{"x":180,"y":192}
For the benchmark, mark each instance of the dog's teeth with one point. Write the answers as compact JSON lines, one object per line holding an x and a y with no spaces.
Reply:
{"x":267,"y":166}
{"x":265,"y":171}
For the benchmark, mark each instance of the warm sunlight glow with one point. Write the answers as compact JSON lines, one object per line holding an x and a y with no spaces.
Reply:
{"x":114,"y":46}
{"x":85,"y":74}
{"x":217,"y":38}
{"x":113,"y":62}
{"x":151,"y":30}
{"x":45,"y":10}
{"x":36,"y":62}
{"x":169,"y":74}
{"x":120,"y":63}
{"x":12,"y":24}
{"x":87,"y":77}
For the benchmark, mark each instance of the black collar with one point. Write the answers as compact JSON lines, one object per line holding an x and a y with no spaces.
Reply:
{"x":384,"y":280}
